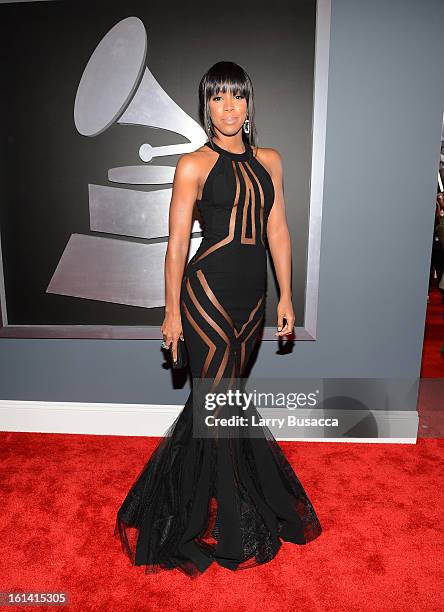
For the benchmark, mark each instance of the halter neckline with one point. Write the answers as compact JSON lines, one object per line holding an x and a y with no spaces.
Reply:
{"x":236,"y":156}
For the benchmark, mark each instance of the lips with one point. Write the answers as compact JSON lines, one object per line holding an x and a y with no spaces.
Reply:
{"x":230,"y":120}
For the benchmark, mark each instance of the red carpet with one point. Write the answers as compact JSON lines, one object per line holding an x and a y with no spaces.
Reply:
{"x":432,"y":365}
{"x":380,"y":506}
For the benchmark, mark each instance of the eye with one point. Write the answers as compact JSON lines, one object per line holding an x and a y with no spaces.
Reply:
{"x":237,"y":96}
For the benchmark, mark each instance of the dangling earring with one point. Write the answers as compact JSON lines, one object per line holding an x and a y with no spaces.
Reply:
{"x":209,"y":126}
{"x":247,"y":125}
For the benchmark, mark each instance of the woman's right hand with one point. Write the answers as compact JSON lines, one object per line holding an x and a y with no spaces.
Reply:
{"x":171,"y":329}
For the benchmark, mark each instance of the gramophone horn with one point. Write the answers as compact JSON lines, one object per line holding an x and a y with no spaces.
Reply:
{"x":116,"y":86}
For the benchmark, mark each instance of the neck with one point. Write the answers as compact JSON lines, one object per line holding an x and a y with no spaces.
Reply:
{"x":233,"y":144}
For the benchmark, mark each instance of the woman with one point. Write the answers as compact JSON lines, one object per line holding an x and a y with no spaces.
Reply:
{"x":211,"y":494}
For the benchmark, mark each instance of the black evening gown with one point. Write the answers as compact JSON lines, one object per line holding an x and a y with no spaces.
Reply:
{"x":226,"y":498}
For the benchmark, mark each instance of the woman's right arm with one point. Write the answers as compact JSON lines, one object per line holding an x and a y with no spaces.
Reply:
{"x":183,"y":199}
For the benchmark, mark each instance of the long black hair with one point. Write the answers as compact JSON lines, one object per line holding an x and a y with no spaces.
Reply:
{"x":226,"y":76}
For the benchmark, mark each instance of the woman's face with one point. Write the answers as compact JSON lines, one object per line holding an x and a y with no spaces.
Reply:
{"x":228,"y":112}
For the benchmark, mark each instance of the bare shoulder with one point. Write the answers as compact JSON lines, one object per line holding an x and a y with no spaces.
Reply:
{"x":270,"y":158}
{"x":194,"y":163}
{"x":195,"y":166}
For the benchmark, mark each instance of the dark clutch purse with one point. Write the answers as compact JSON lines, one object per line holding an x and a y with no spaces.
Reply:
{"x":182,"y":355}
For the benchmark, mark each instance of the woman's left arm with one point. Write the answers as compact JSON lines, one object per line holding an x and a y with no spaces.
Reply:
{"x":279,"y":241}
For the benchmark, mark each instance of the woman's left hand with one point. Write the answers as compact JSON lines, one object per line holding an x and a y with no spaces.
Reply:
{"x":285,"y":310}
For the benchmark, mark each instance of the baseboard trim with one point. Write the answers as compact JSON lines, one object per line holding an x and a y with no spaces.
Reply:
{"x":152,"y":420}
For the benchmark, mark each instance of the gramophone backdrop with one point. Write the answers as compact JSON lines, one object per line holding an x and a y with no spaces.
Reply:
{"x":99,"y":100}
